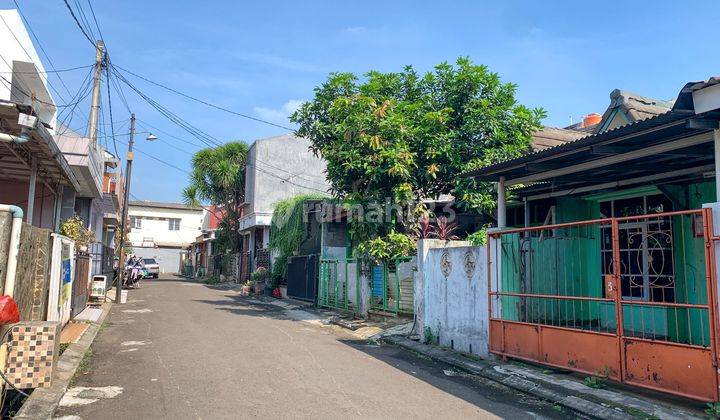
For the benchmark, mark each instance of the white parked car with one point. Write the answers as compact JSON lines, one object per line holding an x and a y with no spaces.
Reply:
{"x":152,"y":267}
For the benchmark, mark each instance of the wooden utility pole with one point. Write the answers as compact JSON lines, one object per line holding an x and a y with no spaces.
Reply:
{"x":123,"y":222}
{"x":95,"y":107}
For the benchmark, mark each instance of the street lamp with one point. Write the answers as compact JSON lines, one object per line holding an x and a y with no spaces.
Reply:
{"x":151,"y":137}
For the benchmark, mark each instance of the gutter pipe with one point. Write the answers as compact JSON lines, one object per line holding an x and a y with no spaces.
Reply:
{"x":14,"y":249}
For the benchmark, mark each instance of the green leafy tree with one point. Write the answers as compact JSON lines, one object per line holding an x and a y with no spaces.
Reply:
{"x":218,"y":177}
{"x":404,"y":137}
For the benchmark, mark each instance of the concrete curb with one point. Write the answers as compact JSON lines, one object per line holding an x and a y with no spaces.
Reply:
{"x":600,"y":404}
{"x":43,"y":402}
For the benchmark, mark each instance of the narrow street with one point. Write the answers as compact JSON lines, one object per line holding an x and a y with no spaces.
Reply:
{"x":181,"y":349}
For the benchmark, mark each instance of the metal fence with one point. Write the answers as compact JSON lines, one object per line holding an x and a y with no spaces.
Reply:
{"x":103,"y":259}
{"x":338,"y":285}
{"x":627,"y":298}
{"x":392,"y":286}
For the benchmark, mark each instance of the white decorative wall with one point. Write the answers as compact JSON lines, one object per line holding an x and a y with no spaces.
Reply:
{"x":451,"y":295}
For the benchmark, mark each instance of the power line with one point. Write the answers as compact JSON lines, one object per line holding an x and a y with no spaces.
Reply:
{"x":158,"y":159}
{"x":27,"y":54}
{"x":32,"y":97}
{"x":205,"y":102}
{"x":82,"y":93}
{"x":95,"y":20}
{"x":109,"y":100}
{"x":48,"y":71}
{"x":156,"y":129}
{"x":287,"y":180}
{"x":118,"y":90}
{"x":77,"y":22}
{"x":42,"y":48}
{"x":194,"y":131}
{"x":292,"y":174}
{"x":69,"y":104}
{"x":84,"y":19}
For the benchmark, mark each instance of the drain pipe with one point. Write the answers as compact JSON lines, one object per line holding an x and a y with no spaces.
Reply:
{"x":9,"y":138}
{"x":13,"y":250}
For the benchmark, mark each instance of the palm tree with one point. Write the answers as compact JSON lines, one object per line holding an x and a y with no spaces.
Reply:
{"x":218,"y":177}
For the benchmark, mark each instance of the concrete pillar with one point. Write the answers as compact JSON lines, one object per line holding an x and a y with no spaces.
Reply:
{"x":266,"y":236}
{"x":501,"y":216}
{"x":251,"y":248}
{"x":58,"y":207}
{"x":31,"y":191}
{"x":716,"y":137}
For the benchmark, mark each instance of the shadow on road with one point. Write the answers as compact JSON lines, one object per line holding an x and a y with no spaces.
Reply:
{"x":241,"y":305}
{"x":488,"y":395}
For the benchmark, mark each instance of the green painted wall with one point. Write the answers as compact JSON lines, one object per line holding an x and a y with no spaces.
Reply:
{"x":569,"y":263}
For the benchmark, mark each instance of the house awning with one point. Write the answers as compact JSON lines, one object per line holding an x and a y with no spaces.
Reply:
{"x":672,"y":146}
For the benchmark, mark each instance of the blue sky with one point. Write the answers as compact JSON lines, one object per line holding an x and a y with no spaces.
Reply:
{"x":263,"y":58}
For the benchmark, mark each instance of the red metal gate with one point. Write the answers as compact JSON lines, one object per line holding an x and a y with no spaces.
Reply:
{"x":632,"y":299}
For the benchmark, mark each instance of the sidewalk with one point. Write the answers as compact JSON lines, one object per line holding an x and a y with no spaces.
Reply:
{"x":566,"y":391}
{"x":42,"y":402}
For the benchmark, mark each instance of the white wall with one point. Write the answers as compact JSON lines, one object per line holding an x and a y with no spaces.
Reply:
{"x":453,"y":304}
{"x":19,"y":55}
{"x":168,"y":259}
{"x":706,"y":99}
{"x":278,"y":168}
{"x":155,"y":225}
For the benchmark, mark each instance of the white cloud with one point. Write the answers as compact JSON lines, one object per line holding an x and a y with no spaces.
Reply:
{"x":279,"y":115}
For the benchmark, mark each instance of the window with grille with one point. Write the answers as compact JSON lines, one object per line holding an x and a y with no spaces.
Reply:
{"x":135,"y":222}
{"x":647,"y":266}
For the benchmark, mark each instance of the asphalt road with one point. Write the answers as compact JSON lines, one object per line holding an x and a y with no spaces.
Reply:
{"x":179,"y":349}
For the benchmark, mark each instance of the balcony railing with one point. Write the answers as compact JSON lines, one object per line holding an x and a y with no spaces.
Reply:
{"x":112,"y":184}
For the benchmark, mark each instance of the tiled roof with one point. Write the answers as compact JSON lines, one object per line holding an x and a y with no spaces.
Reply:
{"x":552,"y":136}
{"x":634,"y":107}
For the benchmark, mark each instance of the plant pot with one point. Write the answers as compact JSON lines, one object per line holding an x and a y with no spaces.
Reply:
{"x":259,"y":287}
{"x":268,"y":290}
{"x":245,"y":291}
{"x":283,"y":292}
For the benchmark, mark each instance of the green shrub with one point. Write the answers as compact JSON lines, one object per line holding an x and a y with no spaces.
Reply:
{"x":394,"y":245}
{"x":478,"y":238}
{"x":260,"y":275}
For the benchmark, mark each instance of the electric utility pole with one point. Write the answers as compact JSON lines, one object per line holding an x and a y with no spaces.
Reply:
{"x":95,"y":107}
{"x":123,"y":223}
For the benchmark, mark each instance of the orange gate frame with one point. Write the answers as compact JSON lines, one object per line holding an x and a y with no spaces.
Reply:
{"x":684,"y":369}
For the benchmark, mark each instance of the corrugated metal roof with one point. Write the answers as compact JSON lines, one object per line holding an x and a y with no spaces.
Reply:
{"x":157,"y":204}
{"x":660,"y":120}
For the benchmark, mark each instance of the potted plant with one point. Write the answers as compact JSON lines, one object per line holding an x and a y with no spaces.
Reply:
{"x":74,"y":228}
{"x":246,"y":288}
{"x":259,"y":277}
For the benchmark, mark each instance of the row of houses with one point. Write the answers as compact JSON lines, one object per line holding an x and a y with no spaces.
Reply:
{"x":277,"y":168}
{"x":602,"y":258}
{"x":51,"y":173}
{"x":51,"y":177}
{"x":181,"y":238}
{"x":47,"y":169}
